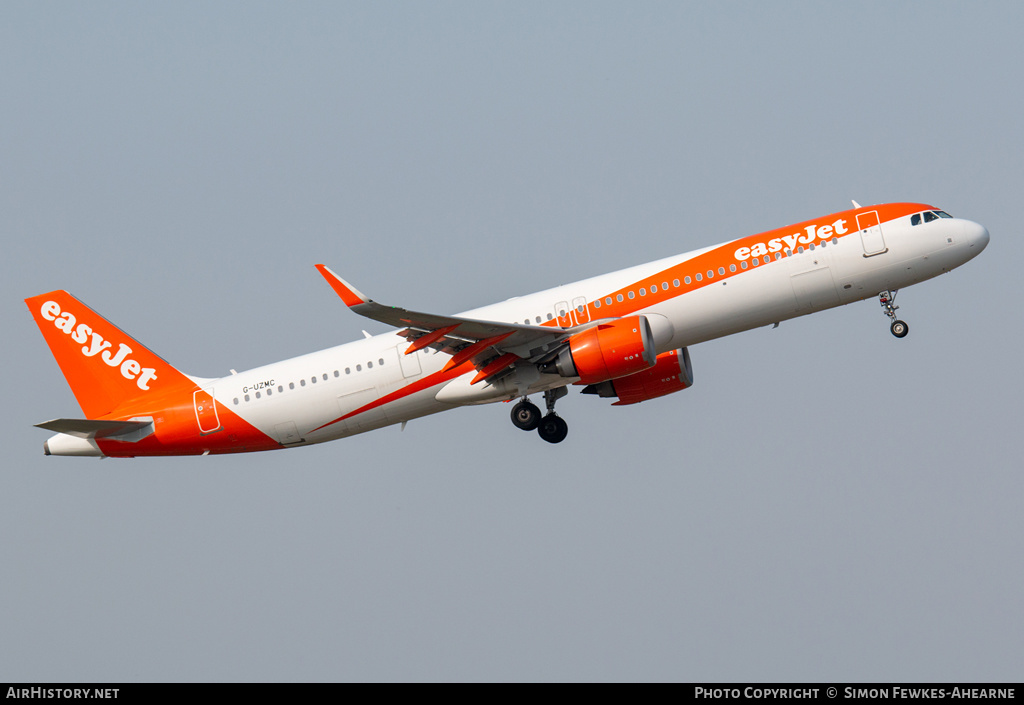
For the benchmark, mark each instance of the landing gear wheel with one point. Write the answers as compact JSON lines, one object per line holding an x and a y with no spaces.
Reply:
{"x":526,"y":415}
{"x":899,"y":329}
{"x":888,"y":301}
{"x":553,"y":429}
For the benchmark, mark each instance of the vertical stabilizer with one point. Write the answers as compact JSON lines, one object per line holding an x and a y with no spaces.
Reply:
{"x":104,"y":366}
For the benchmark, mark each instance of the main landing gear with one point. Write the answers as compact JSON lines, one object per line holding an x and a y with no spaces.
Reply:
{"x":897,"y":327}
{"x":552,"y":427}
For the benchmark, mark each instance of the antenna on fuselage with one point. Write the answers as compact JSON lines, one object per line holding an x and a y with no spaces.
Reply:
{"x":855,"y":204}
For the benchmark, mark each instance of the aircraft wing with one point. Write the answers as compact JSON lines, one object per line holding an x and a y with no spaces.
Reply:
{"x":492,"y":346}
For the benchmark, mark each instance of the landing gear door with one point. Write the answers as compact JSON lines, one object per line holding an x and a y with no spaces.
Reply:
{"x":206,"y":411}
{"x":871,"y":233}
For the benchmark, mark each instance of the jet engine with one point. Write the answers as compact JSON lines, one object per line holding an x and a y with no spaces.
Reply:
{"x":607,"y":351}
{"x":671,"y":373}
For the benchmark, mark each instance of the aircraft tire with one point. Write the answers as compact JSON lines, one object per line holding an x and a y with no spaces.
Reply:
{"x":553,"y":429}
{"x":526,"y":415}
{"x":899,"y":329}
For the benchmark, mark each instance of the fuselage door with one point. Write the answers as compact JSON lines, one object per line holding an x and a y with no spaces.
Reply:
{"x":206,"y":412}
{"x":410,"y":364}
{"x":871,"y":233}
{"x":564,"y":314}
{"x":580,"y":310}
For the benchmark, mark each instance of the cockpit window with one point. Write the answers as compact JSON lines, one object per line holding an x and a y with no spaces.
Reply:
{"x":929,"y":216}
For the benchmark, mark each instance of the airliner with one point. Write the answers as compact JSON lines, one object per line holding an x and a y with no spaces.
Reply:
{"x":623,"y":336}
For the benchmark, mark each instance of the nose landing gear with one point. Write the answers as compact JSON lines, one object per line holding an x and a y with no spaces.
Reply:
{"x":552,"y":427}
{"x":887,"y":300}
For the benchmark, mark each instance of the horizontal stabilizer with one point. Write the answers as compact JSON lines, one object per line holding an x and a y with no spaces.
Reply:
{"x":130,"y":431}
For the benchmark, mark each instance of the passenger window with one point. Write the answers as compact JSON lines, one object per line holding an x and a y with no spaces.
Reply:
{"x":699,"y":277}
{"x":643,"y":292}
{"x":632,"y":294}
{"x":732,"y":267}
{"x":325,"y":376}
{"x":280,"y":388}
{"x":291,"y":385}
{"x":369,"y":365}
{"x":302,"y":383}
{"x":247,"y":397}
{"x":711,"y":273}
{"x":721,"y":270}
{"x":236,"y":401}
{"x":675,"y":283}
{"x":313,"y":380}
{"x":257,"y":395}
{"x":654,"y":289}
{"x":687,"y":280}
{"x":619,"y":298}
{"x":664,"y":286}
{"x":608,"y":300}
{"x":359,"y":368}
{"x":380,"y":361}
{"x":743,"y":264}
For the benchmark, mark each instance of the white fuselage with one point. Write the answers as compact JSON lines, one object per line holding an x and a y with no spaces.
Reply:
{"x":295,"y":401}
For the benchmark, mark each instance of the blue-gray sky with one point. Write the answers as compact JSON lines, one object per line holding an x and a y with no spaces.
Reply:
{"x":826,"y":503}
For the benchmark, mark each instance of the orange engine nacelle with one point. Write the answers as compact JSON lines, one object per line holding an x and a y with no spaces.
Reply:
{"x":607,"y":351}
{"x":672,"y":373}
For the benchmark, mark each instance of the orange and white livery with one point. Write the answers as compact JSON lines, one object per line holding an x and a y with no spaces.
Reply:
{"x":623,"y":335}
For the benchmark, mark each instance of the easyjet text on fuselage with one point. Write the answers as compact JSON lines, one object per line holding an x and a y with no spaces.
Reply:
{"x":811,"y":235}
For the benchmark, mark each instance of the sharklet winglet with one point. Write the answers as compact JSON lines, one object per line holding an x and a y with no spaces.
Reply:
{"x":348,"y":293}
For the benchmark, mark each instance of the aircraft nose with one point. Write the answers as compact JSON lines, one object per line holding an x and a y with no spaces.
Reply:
{"x":977,"y":235}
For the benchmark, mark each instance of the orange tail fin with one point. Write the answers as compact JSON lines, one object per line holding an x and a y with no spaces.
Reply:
{"x":104,"y":366}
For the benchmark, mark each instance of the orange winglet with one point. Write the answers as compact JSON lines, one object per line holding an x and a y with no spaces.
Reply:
{"x":479,"y":346}
{"x":348,"y":293}
{"x":496,"y":366}
{"x":430,"y":338}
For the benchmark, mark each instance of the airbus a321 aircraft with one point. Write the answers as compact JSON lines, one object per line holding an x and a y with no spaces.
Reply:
{"x":623,"y":335}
